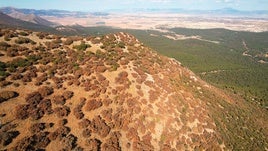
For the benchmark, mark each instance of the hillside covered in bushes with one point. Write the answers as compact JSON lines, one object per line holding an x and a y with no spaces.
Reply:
{"x":114,"y":93}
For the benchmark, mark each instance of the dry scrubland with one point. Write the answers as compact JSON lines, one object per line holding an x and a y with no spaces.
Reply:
{"x":104,"y":93}
{"x":164,"y":21}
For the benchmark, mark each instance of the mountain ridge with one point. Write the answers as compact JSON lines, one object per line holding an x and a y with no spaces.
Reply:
{"x":31,"y":18}
{"x":8,"y":22}
{"x":113,"y":93}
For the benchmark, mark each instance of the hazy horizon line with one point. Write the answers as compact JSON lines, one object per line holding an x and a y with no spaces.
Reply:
{"x":145,"y":9}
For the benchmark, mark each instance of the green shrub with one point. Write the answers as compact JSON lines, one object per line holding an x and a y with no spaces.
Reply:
{"x":82,"y":46}
{"x":19,"y":62}
{"x":22,"y":40}
{"x":23,"y":33}
{"x":121,"y":45}
{"x":4,"y":45}
{"x":3,"y":72}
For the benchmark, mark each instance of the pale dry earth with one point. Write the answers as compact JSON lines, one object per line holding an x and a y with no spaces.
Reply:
{"x":162,"y":21}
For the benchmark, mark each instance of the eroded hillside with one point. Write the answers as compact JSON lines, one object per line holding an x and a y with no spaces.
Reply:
{"x":113,"y":93}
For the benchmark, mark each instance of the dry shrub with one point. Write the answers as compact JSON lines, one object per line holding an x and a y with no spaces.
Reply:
{"x":122,"y":77}
{"x":35,"y":113}
{"x":4,"y":45}
{"x":86,"y":133}
{"x":23,"y":40}
{"x":69,"y":142}
{"x":7,"y":137}
{"x":101,"y":69}
{"x":46,"y":106}
{"x":62,"y":111}
{"x":6,"y":95}
{"x":41,"y":79}
{"x":99,"y":126}
{"x":12,"y":52}
{"x":59,"y":99}
{"x":16,"y":76}
{"x":22,"y":111}
{"x":33,"y":98}
{"x":37,"y":127}
{"x":112,"y":143}
{"x":41,"y":35}
{"x":52,"y":45}
{"x":23,"y":33}
{"x":68,"y":41}
{"x":59,"y":133}
{"x":84,"y":123}
{"x":67,"y":95}
{"x":107,"y":114}
{"x":37,"y":141}
{"x":29,"y":75}
{"x":62,"y":122}
{"x":93,"y":104}
{"x":45,"y":91}
{"x":78,"y":111}
{"x":93,"y":144}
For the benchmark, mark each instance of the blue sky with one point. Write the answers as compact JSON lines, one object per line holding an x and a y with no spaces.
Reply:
{"x":97,"y":5}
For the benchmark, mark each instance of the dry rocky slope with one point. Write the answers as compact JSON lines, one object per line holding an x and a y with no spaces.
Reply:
{"x":113,"y":93}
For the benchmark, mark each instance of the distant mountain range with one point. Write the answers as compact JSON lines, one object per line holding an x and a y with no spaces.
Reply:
{"x":34,"y":19}
{"x":27,"y":16}
{"x":224,"y":11}
{"x":56,"y":13}
{"x":64,"y":13}
{"x":8,"y":21}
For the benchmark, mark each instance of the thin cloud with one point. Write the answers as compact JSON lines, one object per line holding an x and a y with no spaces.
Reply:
{"x":226,"y":1}
{"x":160,"y":1}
